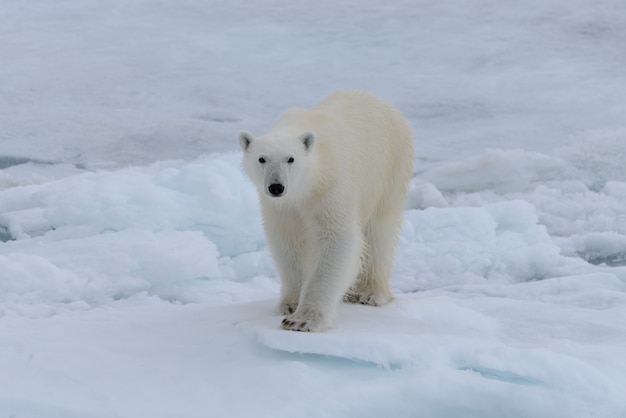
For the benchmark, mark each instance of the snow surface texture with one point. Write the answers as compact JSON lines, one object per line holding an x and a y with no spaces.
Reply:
{"x":134,"y":277}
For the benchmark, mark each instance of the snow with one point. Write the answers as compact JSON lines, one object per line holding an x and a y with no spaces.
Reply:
{"x":134,"y":275}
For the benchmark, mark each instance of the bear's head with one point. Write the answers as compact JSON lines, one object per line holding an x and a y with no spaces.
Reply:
{"x":277,"y":163}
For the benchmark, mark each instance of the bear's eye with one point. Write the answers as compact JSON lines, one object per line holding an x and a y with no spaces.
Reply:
{"x":262,"y":160}
{"x":290,"y":160}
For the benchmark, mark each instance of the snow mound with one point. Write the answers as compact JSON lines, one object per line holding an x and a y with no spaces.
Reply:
{"x":598,"y":156}
{"x":501,"y":241}
{"x":185,"y":232}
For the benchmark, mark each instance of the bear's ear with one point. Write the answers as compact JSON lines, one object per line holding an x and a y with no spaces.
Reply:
{"x":307,"y":139}
{"x":245,"y":138}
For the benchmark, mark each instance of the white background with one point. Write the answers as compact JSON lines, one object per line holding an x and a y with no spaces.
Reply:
{"x":134,"y":277}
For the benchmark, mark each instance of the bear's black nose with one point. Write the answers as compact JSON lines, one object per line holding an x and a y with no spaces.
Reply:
{"x":276,"y":189}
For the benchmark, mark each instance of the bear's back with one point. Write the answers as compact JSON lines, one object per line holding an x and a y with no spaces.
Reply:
{"x":372,"y":129}
{"x":363,"y":145}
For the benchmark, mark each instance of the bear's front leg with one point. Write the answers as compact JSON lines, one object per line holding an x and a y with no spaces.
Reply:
{"x":285,"y":239}
{"x":290,"y":282}
{"x":336,"y":264}
{"x":287,"y":305}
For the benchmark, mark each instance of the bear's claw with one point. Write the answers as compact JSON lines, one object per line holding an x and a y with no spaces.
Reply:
{"x":295,"y":326}
{"x":306,"y":319}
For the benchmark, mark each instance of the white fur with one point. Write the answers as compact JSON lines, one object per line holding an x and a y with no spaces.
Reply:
{"x":333,"y":227}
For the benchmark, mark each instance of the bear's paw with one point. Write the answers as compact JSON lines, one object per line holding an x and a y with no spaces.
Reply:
{"x":366,"y":298}
{"x":306,"y":320}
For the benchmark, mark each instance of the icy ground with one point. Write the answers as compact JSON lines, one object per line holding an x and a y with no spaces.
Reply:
{"x":134,"y":277}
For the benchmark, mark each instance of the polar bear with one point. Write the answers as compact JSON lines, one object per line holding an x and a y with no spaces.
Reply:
{"x":332,"y":183}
